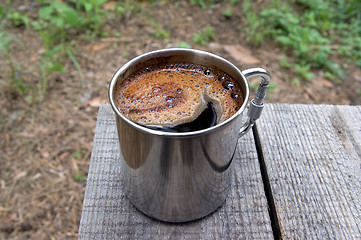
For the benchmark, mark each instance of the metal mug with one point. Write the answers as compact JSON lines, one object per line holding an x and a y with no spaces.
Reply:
{"x":179,"y":177}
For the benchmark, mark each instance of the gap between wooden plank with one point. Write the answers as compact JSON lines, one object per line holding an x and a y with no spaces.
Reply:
{"x":267,"y":186}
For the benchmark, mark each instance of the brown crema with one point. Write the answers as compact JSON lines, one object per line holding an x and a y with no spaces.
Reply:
{"x":175,"y":94}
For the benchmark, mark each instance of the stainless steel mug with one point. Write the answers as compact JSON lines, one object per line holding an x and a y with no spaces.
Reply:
{"x":180,"y":177}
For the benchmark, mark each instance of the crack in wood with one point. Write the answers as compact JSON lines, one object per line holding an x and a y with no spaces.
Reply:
{"x":267,"y":186}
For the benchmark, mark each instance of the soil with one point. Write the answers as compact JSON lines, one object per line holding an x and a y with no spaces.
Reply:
{"x":45,"y":147}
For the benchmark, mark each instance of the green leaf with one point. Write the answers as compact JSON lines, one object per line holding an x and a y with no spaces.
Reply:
{"x":117,"y":34}
{"x":88,"y":7}
{"x":303,"y":71}
{"x":228,"y":12}
{"x":4,"y":43}
{"x":37,"y":25}
{"x":271,"y":87}
{"x":184,"y":45}
{"x":246,"y":6}
{"x":46,"y":12}
{"x":58,"y":22}
{"x":161,"y":34}
{"x":284,"y":62}
{"x":78,"y":153}
{"x":18,"y":19}
{"x":74,"y":19}
{"x":284,"y":40}
{"x":205,"y":36}
{"x":58,"y":67}
{"x":309,"y":19}
{"x":358,"y":92}
{"x":99,"y":2}
{"x":60,"y":7}
{"x":336,"y":70}
{"x":80,"y":177}
{"x":77,"y":66}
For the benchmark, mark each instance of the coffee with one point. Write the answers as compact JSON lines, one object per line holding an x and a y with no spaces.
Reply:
{"x":208,"y":118}
{"x":178,"y":97}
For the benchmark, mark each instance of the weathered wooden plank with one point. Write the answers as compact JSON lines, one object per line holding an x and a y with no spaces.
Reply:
{"x":107,"y":214}
{"x":312,"y":154}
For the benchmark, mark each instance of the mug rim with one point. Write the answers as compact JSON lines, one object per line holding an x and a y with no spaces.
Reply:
{"x":155,"y":53}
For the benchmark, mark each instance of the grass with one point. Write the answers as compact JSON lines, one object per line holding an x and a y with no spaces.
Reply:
{"x":184,"y":45}
{"x":126,"y":8}
{"x":228,"y":13}
{"x":56,"y":24}
{"x":18,"y":19}
{"x":205,"y":36}
{"x":202,"y":3}
{"x":310,"y":33}
{"x":16,"y":84}
{"x":56,"y":21}
{"x":80,"y":177}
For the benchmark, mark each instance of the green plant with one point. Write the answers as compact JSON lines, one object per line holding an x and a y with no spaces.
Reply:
{"x":127,"y":7}
{"x":255,"y":26}
{"x":56,"y":19}
{"x":95,"y":16}
{"x":117,"y":34}
{"x":70,"y":54}
{"x":304,"y":71}
{"x":204,"y":36}
{"x":80,"y":177}
{"x":17,"y":86}
{"x":48,"y":65}
{"x":4,"y":9}
{"x":16,"y":83}
{"x":202,"y":3}
{"x":78,"y":153}
{"x":159,"y":32}
{"x":228,"y":13}
{"x":184,"y":45}
{"x":306,"y":35}
{"x":57,"y":22}
{"x":18,"y":19}
{"x":272,"y":86}
{"x":350,"y":37}
{"x":285,"y":63}
{"x":358,"y":92}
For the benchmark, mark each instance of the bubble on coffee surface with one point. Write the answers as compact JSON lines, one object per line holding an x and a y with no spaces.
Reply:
{"x":175,"y":94}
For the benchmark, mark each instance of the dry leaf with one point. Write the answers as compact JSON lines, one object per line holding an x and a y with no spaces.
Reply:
{"x":63,"y":155}
{"x":109,"y":6}
{"x":242,"y":55}
{"x":97,"y":47}
{"x":95,"y":102}
{"x":19,"y":175}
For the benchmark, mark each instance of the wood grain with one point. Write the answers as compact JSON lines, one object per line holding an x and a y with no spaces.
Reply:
{"x":313,"y":159}
{"x":107,"y":214}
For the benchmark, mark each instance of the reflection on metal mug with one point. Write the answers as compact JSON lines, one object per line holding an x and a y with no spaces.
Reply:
{"x":179,"y":177}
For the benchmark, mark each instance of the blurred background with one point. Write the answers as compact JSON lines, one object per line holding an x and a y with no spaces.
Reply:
{"x":57,"y":58}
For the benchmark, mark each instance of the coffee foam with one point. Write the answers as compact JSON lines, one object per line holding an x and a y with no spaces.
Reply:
{"x":175,"y":94}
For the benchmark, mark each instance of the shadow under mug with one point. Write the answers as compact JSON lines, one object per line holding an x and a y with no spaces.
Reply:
{"x":179,"y":177}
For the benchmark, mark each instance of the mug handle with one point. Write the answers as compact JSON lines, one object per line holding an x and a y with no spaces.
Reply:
{"x":256,"y":106}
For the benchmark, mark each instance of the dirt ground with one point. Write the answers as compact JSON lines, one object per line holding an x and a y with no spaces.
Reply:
{"x":45,"y":147}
